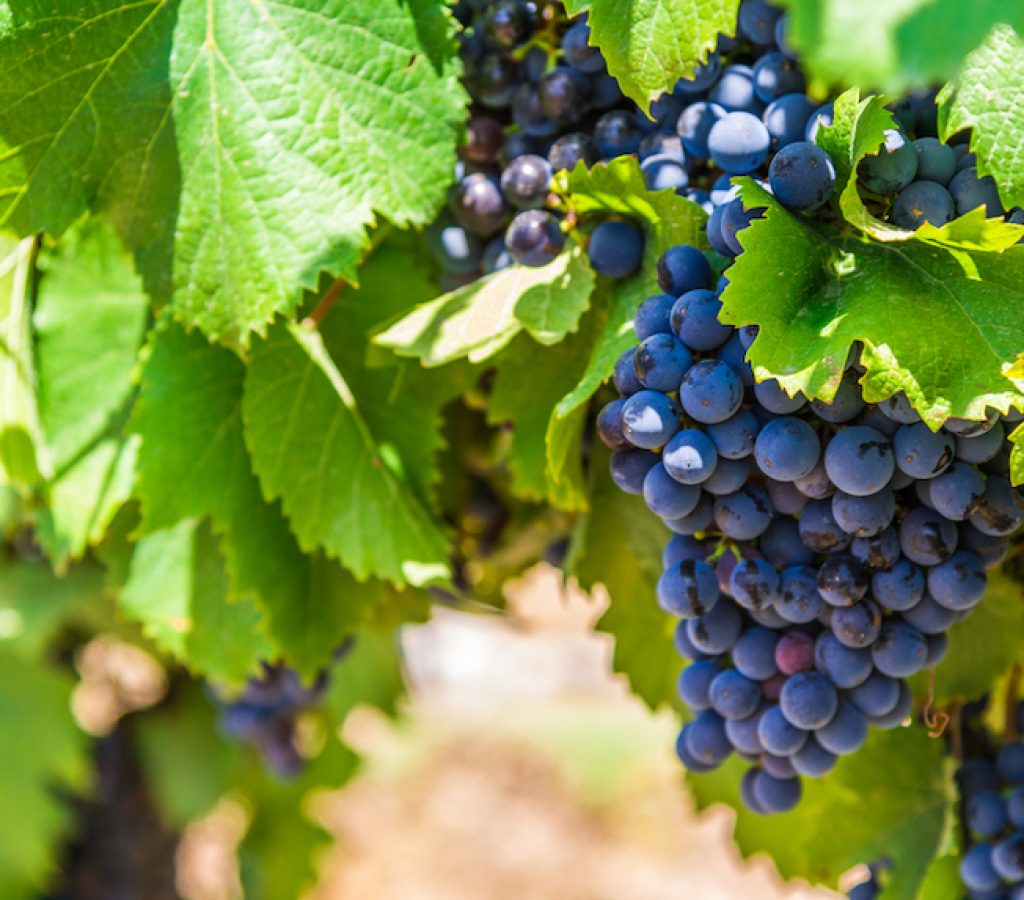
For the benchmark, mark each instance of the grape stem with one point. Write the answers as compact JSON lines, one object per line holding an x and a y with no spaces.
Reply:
{"x":935,"y":720}
{"x":324,"y":304}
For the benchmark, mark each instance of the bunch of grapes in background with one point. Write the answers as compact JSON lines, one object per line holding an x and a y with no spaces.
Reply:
{"x":265,"y":715}
{"x":821,"y":551}
{"x":991,"y":787}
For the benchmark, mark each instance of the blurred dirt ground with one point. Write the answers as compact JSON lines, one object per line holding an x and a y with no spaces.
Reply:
{"x":526,"y":771}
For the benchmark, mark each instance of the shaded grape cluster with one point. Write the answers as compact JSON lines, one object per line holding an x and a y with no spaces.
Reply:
{"x":266,"y":712}
{"x":821,"y":550}
{"x":990,"y":780}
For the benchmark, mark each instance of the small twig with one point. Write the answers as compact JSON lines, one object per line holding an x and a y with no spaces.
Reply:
{"x":935,"y":720}
{"x":1010,"y":705}
{"x":323,"y":306}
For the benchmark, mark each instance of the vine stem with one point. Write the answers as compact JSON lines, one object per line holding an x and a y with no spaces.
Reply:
{"x":1010,"y":705}
{"x":324,"y":305}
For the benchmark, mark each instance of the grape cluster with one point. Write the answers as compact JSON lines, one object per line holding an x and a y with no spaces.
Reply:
{"x":990,"y":780}
{"x":820,"y":551}
{"x":266,"y":712}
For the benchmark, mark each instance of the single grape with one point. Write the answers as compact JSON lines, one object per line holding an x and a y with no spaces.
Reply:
{"x":794,"y":653}
{"x":935,"y":161}
{"x":894,"y":166}
{"x":694,"y":319}
{"x":683,"y":268}
{"x":744,"y":514}
{"x":664,"y":173}
{"x":703,"y":78}
{"x":843,"y":580}
{"x":689,"y":761}
{"x":1001,"y":510}
{"x":754,"y":584}
{"x":578,"y":52}
{"x":492,"y":80}
{"x":564,"y":92}
{"x":525,"y":181}
{"x":926,"y":537}
{"x":776,"y":75}
{"x":742,"y":733}
{"x":819,"y":529}
{"x":1008,"y":858}
{"x":570,"y":150}
{"x":747,"y":791}
{"x":688,"y":590}
{"x":528,"y":113}
{"x":813,"y":760}
{"x":617,"y":133}
{"x":857,"y":626}
{"x":969,"y":192}
{"x":509,"y":23}
{"x":695,"y":124}
{"x":711,"y":392}
{"x":649,"y":419}
{"x":733,"y":696}
{"x":772,"y":397}
{"x":846,"y":667}
{"x":921,"y":452}
{"x":923,"y":201}
{"x":734,"y":90}
{"x":729,"y":476}
{"x":699,"y":520}
{"x":735,"y":218}
{"x":847,"y":403}
{"x":778,"y":735}
{"x":808,"y":700}
{"x":782,"y":546}
{"x":616,"y":248}
{"x":802,"y":176}
{"x":739,"y":142}
{"x":859,"y":460}
{"x":654,"y":316}
{"x":609,"y":425}
{"x":976,"y":870}
{"x":787,"y":449}
{"x":690,"y":457}
{"x":822,"y":117}
{"x":991,"y":549}
{"x":754,"y":653}
{"x":877,"y":696}
{"x":864,"y":516}
{"x":786,"y":119}
{"x":734,"y":437}
{"x":899,"y":588}
{"x":816,"y":485}
{"x":799,"y":600}
{"x":534,"y":238}
{"x":775,"y":795}
{"x":666,"y":497}
{"x":880,"y":551}
{"x":682,"y":547}
{"x":986,"y":814}
{"x":901,"y":650}
{"x":624,"y":374}
{"x":706,"y":739}
{"x":1010,"y":763}
{"x":983,"y":447}
{"x":454,"y":248}
{"x":757,"y":19}
{"x":786,"y":498}
{"x":959,"y":583}
{"x":846,"y":732}
{"x":717,"y":631}
{"x":661,"y":361}
{"x":630,"y":467}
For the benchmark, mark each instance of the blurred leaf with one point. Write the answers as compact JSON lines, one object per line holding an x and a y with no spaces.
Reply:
{"x":42,"y":752}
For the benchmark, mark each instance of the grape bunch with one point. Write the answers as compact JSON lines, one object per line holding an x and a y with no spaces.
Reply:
{"x":820,"y":551}
{"x":990,"y":780}
{"x":266,"y":712}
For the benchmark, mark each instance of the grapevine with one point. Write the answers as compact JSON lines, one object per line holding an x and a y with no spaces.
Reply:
{"x":319,"y":318}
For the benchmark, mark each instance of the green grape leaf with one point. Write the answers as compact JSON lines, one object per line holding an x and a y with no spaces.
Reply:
{"x":995,"y":624}
{"x":1017,"y":454}
{"x":298,"y":122}
{"x":650,"y":44}
{"x":479,"y":319}
{"x":858,"y":130}
{"x":985,"y":98}
{"x":889,"y":45}
{"x":24,"y":459}
{"x":814,"y":292}
{"x":84,"y":498}
{"x":35,"y":603}
{"x":666,"y":218}
{"x":89,"y":321}
{"x":942,"y":880}
{"x":41,"y":749}
{"x":177,"y":589}
{"x":400,"y":400}
{"x":193,"y":463}
{"x":898,"y":775}
{"x":340,"y":486}
{"x":529,"y":381}
{"x":618,"y":545}
{"x":85,"y":122}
